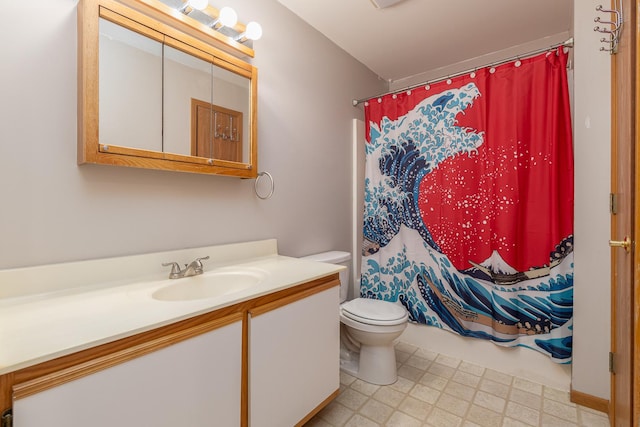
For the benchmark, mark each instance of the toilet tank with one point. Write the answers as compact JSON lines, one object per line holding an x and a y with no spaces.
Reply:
{"x":336,"y":257}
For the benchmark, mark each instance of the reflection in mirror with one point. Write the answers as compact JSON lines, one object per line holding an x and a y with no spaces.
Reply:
{"x":186,"y":77}
{"x":232,"y":92}
{"x":131,"y":64}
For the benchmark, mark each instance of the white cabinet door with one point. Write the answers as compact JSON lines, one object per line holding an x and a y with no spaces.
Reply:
{"x":195,"y":383}
{"x":294,"y":359}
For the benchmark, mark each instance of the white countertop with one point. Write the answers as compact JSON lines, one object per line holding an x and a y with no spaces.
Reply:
{"x":39,"y":326}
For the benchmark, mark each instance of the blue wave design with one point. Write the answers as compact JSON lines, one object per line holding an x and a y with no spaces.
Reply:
{"x":535,"y":313}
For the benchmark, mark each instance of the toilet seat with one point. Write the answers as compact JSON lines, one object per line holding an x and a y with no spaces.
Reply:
{"x":374,"y":312}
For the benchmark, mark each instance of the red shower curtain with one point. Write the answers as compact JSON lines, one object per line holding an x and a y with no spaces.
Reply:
{"x":481,"y":167}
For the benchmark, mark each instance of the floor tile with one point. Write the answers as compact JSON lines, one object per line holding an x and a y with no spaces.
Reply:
{"x":418,"y":362}
{"x":442,"y":418}
{"x":441,"y":370}
{"x":389,"y":396}
{"x":591,"y":419}
{"x":376,"y":411}
{"x":425,"y":393}
{"x":484,"y":417}
{"x":416,"y":408}
{"x":403,"y":385}
{"x":525,"y":398}
{"x":364,"y":387}
{"x":460,"y":390}
{"x":448,"y":361}
{"x":436,"y":390}
{"x":499,"y":377}
{"x":557,"y":395}
{"x":426,"y":354}
{"x":489,"y":401}
{"x":352,"y":399}
{"x":493,"y":387}
{"x":470,"y":368}
{"x":433,"y":381}
{"x":410,"y":372}
{"x":336,"y":414}
{"x":466,"y":378}
{"x":560,"y":410}
{"x":402,"y":357}
{"x":551,"y":421}
{"x":528,"y":386}
{"x":523,"y":414}
{"x":453,"y":404}
{"x":360,"y":421}
{"x":400,"y":419}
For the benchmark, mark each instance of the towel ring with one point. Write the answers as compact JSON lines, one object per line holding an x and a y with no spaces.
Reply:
{"x":255,"y":185}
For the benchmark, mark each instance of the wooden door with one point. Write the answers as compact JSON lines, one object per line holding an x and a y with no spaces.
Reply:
{"x":624,"y":325}
{"x":216,"y":132}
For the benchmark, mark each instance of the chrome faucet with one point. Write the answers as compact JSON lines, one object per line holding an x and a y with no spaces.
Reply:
{"x":192,"y":269}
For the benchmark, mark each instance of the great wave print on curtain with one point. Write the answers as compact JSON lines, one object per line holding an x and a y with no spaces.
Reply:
{"x":469,"y":204}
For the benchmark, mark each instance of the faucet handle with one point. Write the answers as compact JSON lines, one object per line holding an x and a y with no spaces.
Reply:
{"x":199,"y":260}
{"x":175,"y":269}
{"x":197,"y":264}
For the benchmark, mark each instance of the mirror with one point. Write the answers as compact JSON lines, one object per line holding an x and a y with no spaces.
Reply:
{"x":155,"y":97}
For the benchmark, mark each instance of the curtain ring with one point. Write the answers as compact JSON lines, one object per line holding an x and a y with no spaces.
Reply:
{"x":255,"y":185}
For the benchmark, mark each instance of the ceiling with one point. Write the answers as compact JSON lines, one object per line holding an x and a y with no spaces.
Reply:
{"x":415,"y":36}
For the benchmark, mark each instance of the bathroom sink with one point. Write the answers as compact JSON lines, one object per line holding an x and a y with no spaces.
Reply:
{"x":208,"y":285}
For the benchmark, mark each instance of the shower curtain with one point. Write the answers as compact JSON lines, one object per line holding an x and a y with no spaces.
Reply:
{"x":469,"y":204}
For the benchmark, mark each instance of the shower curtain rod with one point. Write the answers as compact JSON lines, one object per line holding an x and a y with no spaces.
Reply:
{"x":566,"y":43}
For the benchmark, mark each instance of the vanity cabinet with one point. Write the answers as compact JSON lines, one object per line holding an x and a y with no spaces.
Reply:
{"x":293,"y":358}
{"x":189,"y":383}
{"x":269,"y":361}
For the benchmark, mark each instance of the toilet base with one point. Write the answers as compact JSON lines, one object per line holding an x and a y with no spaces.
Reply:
{"x":373,"y":364}
{"x":378,"y":364}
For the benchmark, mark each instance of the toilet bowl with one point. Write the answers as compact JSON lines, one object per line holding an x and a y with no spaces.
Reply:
{"x":369,"y":329}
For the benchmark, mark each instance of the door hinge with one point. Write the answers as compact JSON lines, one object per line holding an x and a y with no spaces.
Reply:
{"x":6,"y":419}
{"x":611,"y":366}
{"x":613,"y":203}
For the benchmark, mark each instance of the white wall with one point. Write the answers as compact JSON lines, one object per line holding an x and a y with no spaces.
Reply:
{"x":592,"y":137}
{"x":53,"y":210}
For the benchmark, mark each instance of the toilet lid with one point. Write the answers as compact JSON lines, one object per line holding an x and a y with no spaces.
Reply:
{"x":374,"y":312}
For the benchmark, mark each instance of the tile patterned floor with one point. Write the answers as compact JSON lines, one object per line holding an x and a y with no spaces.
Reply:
{"x":439,"y":391}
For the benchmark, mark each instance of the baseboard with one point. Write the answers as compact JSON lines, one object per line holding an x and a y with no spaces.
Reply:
{"x":593,"y":402}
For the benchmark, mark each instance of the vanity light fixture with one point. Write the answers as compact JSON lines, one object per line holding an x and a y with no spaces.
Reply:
{"x":193,"y":4}
{"x":227,"y":18}
{"x":223,"y":21}
{"x":252,"y":32}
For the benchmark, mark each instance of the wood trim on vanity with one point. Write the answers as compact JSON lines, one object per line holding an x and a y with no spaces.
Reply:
{"x":318,"y":408}
{"x":244,"y":387}
{"x":6,"y":382}
{"x":287,"y":296}
{"x":33,"y":379}
{"x":59,"y":377}
{"x":108,"y":353}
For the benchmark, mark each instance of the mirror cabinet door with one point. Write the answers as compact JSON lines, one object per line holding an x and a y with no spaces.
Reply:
{"x":231,"y":113}
{"x":130,"y":63}
{"x":187,"y":78}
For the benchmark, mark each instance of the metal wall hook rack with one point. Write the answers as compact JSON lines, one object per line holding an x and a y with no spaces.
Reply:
{"x":614,"y":30}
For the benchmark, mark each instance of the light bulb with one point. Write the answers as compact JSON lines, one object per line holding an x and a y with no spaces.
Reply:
{"x":199,"y":4}
{"x":228,"y":17}
{"x":253,"y":31}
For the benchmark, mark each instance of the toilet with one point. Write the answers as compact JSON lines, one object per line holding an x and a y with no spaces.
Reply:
{"x":368,"y":329}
